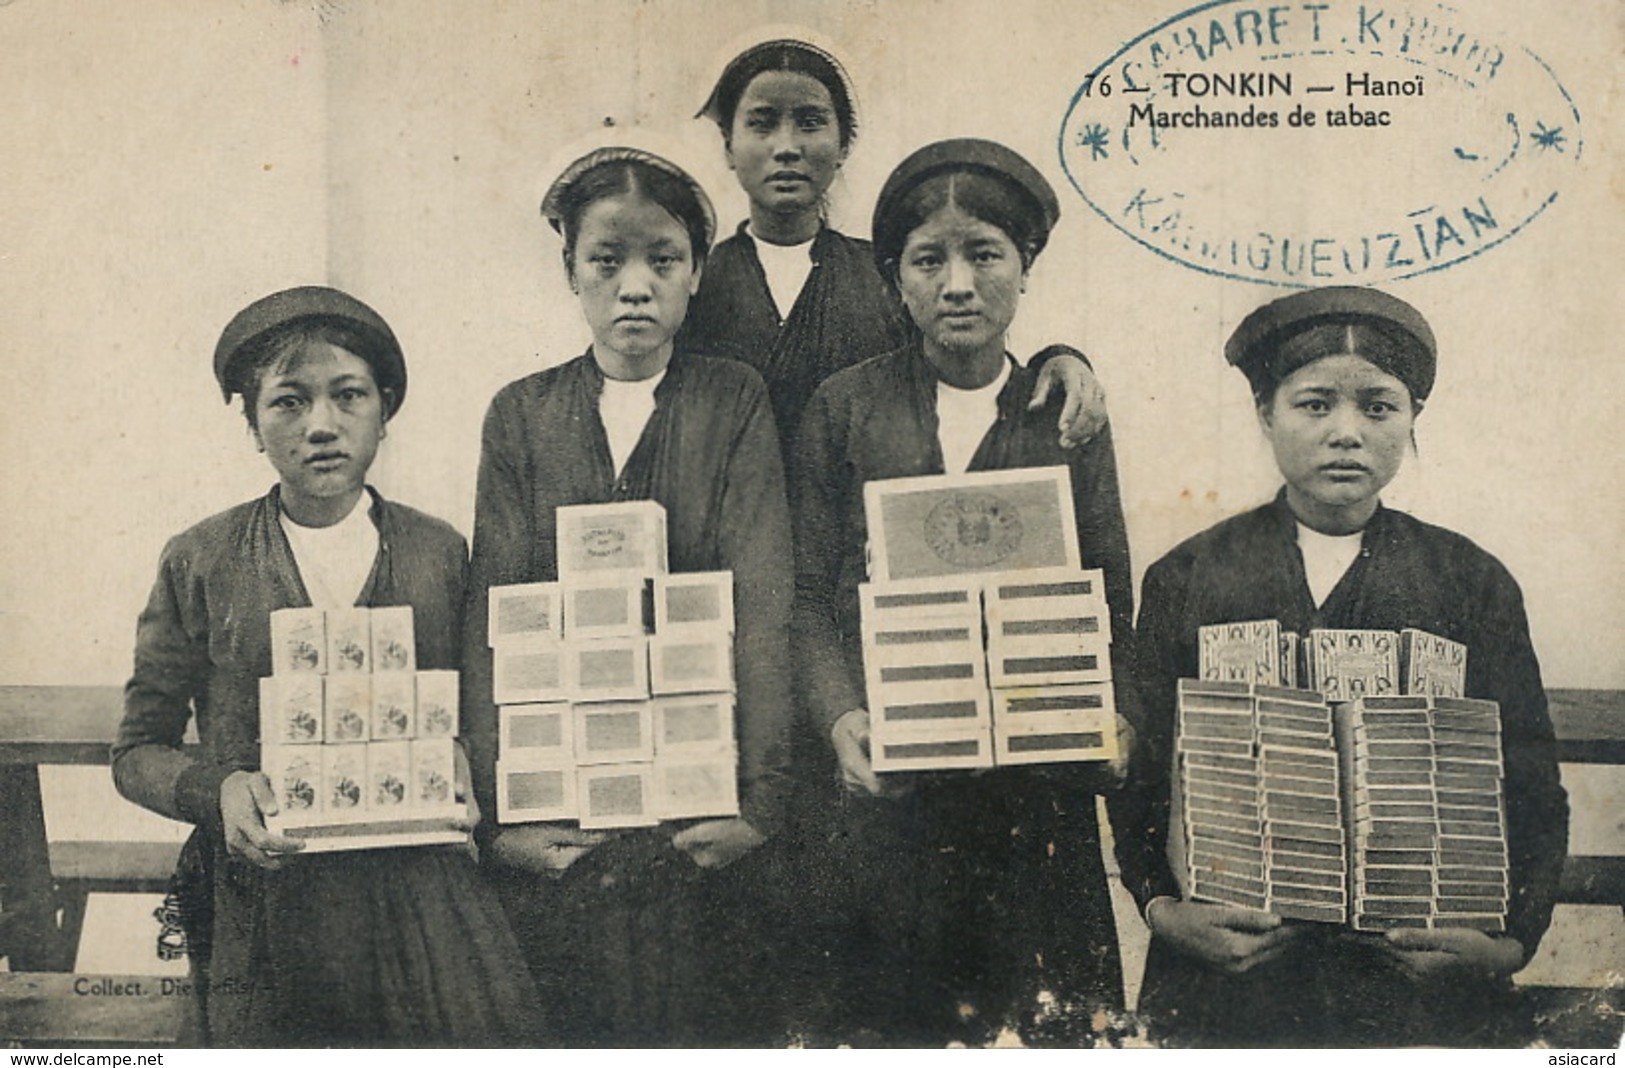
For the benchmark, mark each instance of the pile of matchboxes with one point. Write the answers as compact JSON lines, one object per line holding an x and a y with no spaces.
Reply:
{"x":357,"y":743}
{"x":615,"y":684}
{"x":984,"y":641}
{"x":1373,"y":797}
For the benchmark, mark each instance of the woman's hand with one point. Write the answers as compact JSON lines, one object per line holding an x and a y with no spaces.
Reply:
{"x":465,"y":789}
{"x":1429,"y":954}
{"x":1125,"y":750}
{"x":851,"y":738}
{"x":718,"y":843}
{"x":1084,"y":413}
{"x":543,"y":848}
{"x":1230,"y":939}
{"x":246,"y":798}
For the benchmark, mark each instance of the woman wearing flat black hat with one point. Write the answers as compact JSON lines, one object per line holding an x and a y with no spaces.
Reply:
{"x":377,"y":947}
{"x":796,"y":299}
{"x":974,"y":901}
{"x":1339,"y":376}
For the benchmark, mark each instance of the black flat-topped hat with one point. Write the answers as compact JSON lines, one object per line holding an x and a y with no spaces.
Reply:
{"x":959,"y":155}
{"x":1285,"y":334}
{"x":260,"y":320}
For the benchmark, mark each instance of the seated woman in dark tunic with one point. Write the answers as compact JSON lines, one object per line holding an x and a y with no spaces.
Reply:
{"x":967,"y":895}
{"x":639,"y":937}
{"x":1339,"y":376}
{"x":380,"y":947}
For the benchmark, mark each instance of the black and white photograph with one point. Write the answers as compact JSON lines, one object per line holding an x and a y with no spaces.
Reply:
{"x":809,"y":524}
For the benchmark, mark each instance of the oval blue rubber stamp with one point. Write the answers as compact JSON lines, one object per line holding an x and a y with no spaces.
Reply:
{"x":1321,"y":142}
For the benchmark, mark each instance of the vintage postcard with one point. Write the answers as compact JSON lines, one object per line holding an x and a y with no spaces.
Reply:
{"x":1140,"y":177}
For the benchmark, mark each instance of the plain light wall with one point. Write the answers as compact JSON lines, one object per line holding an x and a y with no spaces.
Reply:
{"x":164,"y":168}
{"x":400,"y":151}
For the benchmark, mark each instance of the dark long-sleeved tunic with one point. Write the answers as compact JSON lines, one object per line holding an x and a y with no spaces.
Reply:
{"x":971,"y":889}
{"x":378,"y":946}
{"x":845,"y":313}
{"x":1408,"y":574}
{"x":707,"y":455}
{"x":635,"y":944}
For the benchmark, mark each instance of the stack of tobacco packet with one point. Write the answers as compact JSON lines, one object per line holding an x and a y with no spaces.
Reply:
{"x":1049,"y":663}
{"x":615,"y":684}
{"x":1467,"y":773}
{"x":984,"y":641}
{"x":1260,"y":815}
{"x":1219,"y":780}
{"x":926,"y":675}
{"x":357,"y":743}
{"x":1423,"y":776}
{"x":1348,"y":802}
{"x":1305,"y":855}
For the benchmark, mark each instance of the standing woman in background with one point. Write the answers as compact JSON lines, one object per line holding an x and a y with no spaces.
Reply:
{"x":1339,"y":376}
{"x":971,"y":901}
{"x":787,"y":294}
{"x":378,"y":947}
{"x":637,"y":937}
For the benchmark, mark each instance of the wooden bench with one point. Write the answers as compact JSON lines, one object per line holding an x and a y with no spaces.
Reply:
{"x":75,"y":725}
{"x":43,"y":881}
{"x":1590,"y":728}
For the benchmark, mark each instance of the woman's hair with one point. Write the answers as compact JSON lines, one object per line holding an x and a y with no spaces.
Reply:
{"x":283,"y":350}
{"x":631,"y":177}
{"x":795,"y":57}
{"x":982,"y":195}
